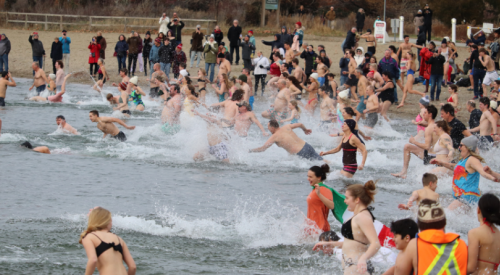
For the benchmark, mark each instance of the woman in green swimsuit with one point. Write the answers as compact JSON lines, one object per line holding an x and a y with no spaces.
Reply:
{"x":135,"y":96}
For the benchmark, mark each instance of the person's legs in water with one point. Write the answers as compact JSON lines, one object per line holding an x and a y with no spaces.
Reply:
{"x":408,"y":150}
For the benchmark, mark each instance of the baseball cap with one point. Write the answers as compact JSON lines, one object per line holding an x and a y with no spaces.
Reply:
{"x":246,"y":104}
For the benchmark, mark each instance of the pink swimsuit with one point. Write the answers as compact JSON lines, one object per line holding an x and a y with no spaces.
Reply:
{"x":55,"y":98}
{"x":419,"y":127}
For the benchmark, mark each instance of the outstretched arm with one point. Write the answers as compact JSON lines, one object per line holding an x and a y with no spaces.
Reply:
{"x":266,"y":145}
{"x":63,"y":86}
{"x":117,"y":120}
{"x":333,"y":151}
{"x":363,"y":150}
{"x":301,"y":126}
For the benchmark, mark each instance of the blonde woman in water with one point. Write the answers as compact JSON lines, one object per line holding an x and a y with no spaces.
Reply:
{"x":105,"y":250}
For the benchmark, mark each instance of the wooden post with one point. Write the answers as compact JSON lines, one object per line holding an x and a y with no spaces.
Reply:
{"x":60,"y":24}
{"x":278,"y":14}
{"x":208,"y":27}
{"x":7,"y":18}
{"x":90,"y":23}
{"x":263,"y":14}
{"x":26,"y":22}
{"x":45,"y":22}
{"x":125,"y":24}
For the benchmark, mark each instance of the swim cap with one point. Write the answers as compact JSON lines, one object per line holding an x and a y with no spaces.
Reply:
{"x":424,"y":101}
{"x":134,"y":80}
{"x":52,"y":76}
{"x":351,"y":124}
{"x":184,"y":73}
{"x":470,"y":142}
{"x":314,"y":75}
{"x":430,"y":211}
{"x":243,"y":78}
{"x":344,"y":94}
{"x":493,"y":104}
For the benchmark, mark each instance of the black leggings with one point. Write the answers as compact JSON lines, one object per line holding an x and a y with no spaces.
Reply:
{"x":146,"y":64}
{"x":94,"y":72}
{"x":262,"y":78}
{"x":54,"y":65}
{"x":132,"y":63}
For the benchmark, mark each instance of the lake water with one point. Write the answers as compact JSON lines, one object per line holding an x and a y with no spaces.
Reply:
{"x":176,"y":215}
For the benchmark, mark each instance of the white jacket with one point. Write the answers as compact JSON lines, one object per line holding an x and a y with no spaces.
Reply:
{"x":262,"y":60}
{"x":163,"y":24}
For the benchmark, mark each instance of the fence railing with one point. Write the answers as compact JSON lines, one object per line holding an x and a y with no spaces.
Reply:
{"x":92,"y":21}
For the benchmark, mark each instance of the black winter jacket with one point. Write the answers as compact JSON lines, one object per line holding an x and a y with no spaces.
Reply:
{"x":56,"y":52}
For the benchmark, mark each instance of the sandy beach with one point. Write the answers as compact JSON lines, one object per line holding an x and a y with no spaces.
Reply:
{"x":20,"y":62}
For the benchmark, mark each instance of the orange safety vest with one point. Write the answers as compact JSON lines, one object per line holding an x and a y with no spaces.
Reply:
{"x":440,"y":253}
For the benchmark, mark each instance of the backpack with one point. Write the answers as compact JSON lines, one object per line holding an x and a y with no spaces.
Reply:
{"x":463,"y":82}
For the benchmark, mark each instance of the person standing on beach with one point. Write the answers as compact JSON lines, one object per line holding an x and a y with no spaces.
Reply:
{"x":196,"y":46}
{"x":5,"y":81}
{"x":330,"y":17}
{"x":121,"y":49}
{"x":360,"y":20}
{"x":56,"y":53}
{"x":4,"y":53}
{"x":234,"y":35}
{"x":176,"y":29}
{"x":37,"y":50}
{"x":133,"y":52}
{"x":418,"y":21}
{"x":428,"y":22}
{"x":164,"y":20}
{"x":94,"y":56}
{"x":65,"y":40}
{"x":178,"y":58}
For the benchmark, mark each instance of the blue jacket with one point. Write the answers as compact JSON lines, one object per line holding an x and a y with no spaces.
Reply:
{"x":390,"y":66}
{"x":121,"y":48}
{"x":65,"y":44}
{"x":153,"y":54}
{"x":481,"y":38}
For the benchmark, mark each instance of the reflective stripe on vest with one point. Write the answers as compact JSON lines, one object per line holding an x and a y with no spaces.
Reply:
{"x":445,"y":260}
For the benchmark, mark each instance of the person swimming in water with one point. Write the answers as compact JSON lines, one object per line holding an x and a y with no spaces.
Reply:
{"x":39,"y":149}
{"x":53,"y":98}
{"x":135,"y":97}
{"x":217,"y":140}
{"x":64,"y":126}
{"x":107,"y":126}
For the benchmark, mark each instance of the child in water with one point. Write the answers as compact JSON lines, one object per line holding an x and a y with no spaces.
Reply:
{"x":295,"y":114}
{"x":428,"y":192}
{"x":404,"y":230}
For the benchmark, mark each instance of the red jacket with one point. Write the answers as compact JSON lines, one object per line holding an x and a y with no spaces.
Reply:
{"x":425,"y":69}
{"x":94,"y":53}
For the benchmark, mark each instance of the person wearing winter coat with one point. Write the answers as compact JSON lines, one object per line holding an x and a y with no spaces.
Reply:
{"x":166,"y":53}
{"x":94,"y":56}
{"x":134,"y":43}
{"x":260,"y":72}
{"x":4,"y":53}
{"x":359,"y":57}
{"x":197,"y":46}
{"x":210,"y":49}
{"x":420,"y":42}
{"x":56,"y":53}
{"x":178,"y":57}
{"x":418,"y":21}
{"x":176,"y":27}
{"x":274,"y":44}
{"x":218,"y":35}
{"x":437,"y":71}
{"x":310,"y":57}
{"x":154,"y":56}
{"x":233,"y":35}
{"x":146,"y":50}
{"x":425,"y":68}
{"x":246,"y":52}
{"x":344,"y":67}
{"x":360,"y":20}
{"x":66,"y":41}
{"x":37,"y":50}
{"x":428,"y":22}
{"x":285,"y":37}
{"x":164,"y":20}
{"x":102,"y":41}
{"x":330,"y":17}
{"x":121,"y":49}
{"x":350,"y":40}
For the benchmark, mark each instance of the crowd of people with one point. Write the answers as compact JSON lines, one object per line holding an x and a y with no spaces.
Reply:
{"x":347,"y":110}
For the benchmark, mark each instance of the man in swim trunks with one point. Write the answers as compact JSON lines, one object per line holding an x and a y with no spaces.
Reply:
{"x":5,"y":81}
{"x":421,"y":150}
{"x":404,"y":48}
{"x":40,"y":81}
{"x":279,"y":110}
{"x":217,"y":140}
{"x":322,"y":70}
{"x":171,"y":112}
{"x":154,"y":87}
{"x":487,"y":125}
{"x":107,"y":126}
{"x":39,"y":149}
{"x":61,"y":122}
{"x":242,"y":81}
{"x":352,"y":80}
{"x":230,"y":109}
{"x":491,"y":74}
{"x":57,"y":98}
{"x":285,"y":138}
{"x":299,"y":74}
{"x":362,"y":84}
{"x":224,"y":65}
{"x":244,"y":120}
{"x":372,"y":107}
{"x":326,"y":110}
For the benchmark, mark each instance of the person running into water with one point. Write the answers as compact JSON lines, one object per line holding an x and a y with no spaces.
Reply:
{"x":230,"y":108}
{"x":105,"y":250}
{"x":245,"y":118}
{"x":64,"y":126}
{"x":386,"y":94}
{"x":419,"y":121}
{"x":279,"y":110}
{"x":295,"y":112}
{"x":5,"y":81}
{"x":122,"y":101}
{"x":350,"y":144}
{"x":404,"y":49}
{"x":102,"y":75}
{"x":453,"y":99}
{"x":312,"y":89}
{"x":285,"y":138}
{"x":224,"y":87}
{"x":107,"y":126}
{"x":360,"y":237}
{"x":326,"y":109}
{"x":372,"y":108}
{"x":421,"y":150}
{"x":487,"y":125}
{"x":443,"y":148}
{"x":411,"y":66}
{"x":404,"y":231}
{"x":53,"y":98}
{"x":484,"y":241}
{"x":136,"y":94}
{"x":171,"y":112}
{"x":217,"y":140}
{"x":466,"y":174}
{"x":40,"y":81}
{"x":429,"y":182}
{"x":124,"y":76}
{"x":39,"y":149}
{"x":319,"y":201}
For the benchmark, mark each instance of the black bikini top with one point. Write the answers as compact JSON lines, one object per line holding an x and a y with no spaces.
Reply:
{"x":103,"y":246}
{"x":346,"y":229}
